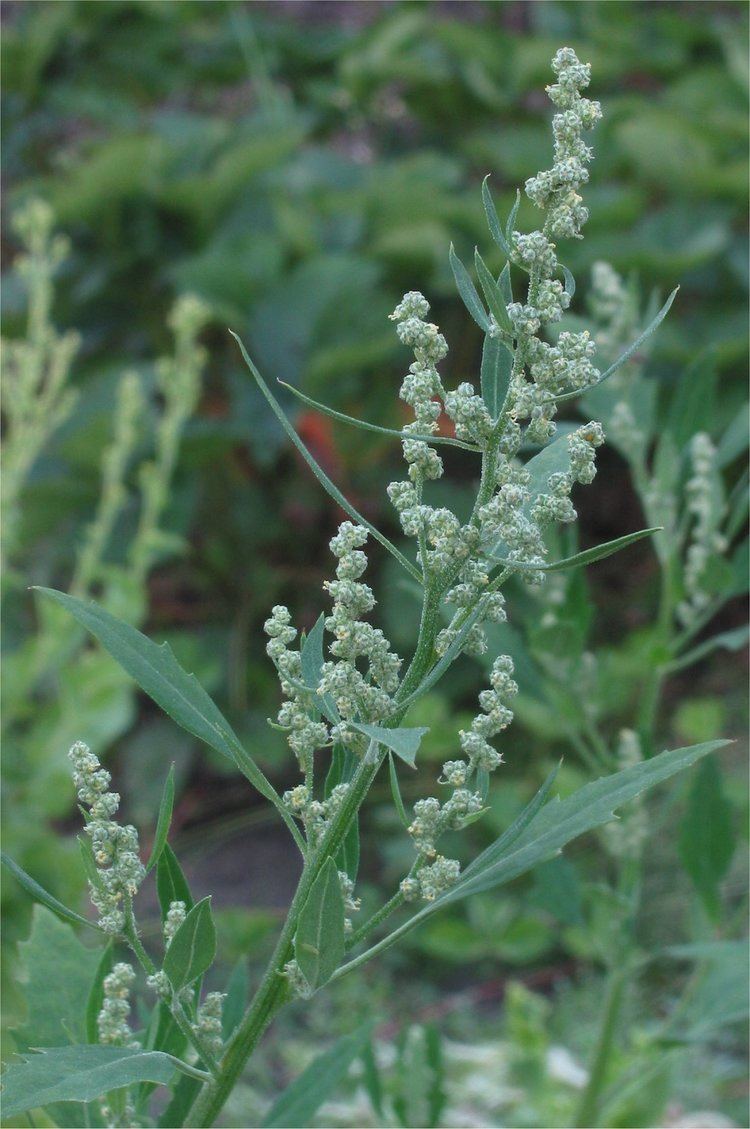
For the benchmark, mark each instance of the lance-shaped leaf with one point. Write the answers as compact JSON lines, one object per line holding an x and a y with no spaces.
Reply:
{"x":497,"y":366}
{"x":523,"y":820}
{"x":367,"y":426}
{"x":298,"y":1104}
{"x":492,"y":293}
{"x":621,"y":360}
{"x":343,"y":766}
{"x":506,"y":288}
{"x":493,"y":220}
{"x":83,"y":1073}
{"x":554,"y":826}
{"x":511,"y":223}
{"x":570,"y":282}
{"x":586,"y":556}
{"x":193,"y":947}
{"x":707,"y":836}
{"x":403,"y":742}
{"x":164,"y":820}
{"x":171,"y":883}
{"x":319,"y":940}
{"x":39,"y":894}
{"x":179,"y":694}
{"x":317,"y":470}
{"x":468,"y":292}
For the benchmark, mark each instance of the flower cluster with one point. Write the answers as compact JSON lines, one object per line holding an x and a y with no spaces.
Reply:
{"x":567,"y":365}
{"x":556,"y":189}
{"x":115,"y":848}
{"x":207,"y":1024}
{"x":112,"y":1020}
{"x":704,"y":503}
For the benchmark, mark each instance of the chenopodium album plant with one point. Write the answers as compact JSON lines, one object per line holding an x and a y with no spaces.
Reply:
{"x":344,"y":711}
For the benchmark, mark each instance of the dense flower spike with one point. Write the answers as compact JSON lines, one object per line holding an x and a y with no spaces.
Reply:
{"x":207,"y":1025}
{"x":112,"y":1021}
{"x":115,"y":848}
{"x":705,"y":506}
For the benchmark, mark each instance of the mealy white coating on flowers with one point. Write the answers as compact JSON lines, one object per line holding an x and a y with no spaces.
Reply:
{"x":112,"y":1020}
{"x":207,"y":1024}
{"x":115,"y":848}
{"x":704,"y":503}
{"x":176,"y":914}
{"x":297,"y":980}
{"x":351,"y":904}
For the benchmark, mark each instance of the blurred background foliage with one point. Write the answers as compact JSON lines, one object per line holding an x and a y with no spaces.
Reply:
{"x":297,"y":167}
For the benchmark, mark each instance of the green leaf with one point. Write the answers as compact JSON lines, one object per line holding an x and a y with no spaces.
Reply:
{"x":511,"y":224}
{"x":493,"y":220}
{"x":570,"y":282}
{"x":707,"y":836}
{"x":342,"y":769}
{"x":734,"y":640}
{"x":519,"y":824}
{"x":492,"y":293}
{"x":300,"y":1102}
{"x":497,"y":365}
{"x":82,"y":1073}
{"x":403,"y":742}
{"x":396,"y":791}
{"x":311,"y":654}
{"x":318,"y":471}
{"x":171,"y":884}
{"x":420,"y":1096}
{"x":56,"y":974}
{"x":468,"y":292}
{"x":639,"y":340}
{"x":39,"y":894}
{"x":193,"y":947}
{"x":366,"y":426}
{"x":503,"y":281}
{"x":96,"y":993}
{"x":555,"y":826}
{"x":319,"y":941}
{"x":164,"y":820}
{"x":586,"y":556}
{"x":236,"y":999}
{"x":179,"y":694}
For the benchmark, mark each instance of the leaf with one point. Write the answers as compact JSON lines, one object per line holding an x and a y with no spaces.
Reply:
{"x":56,"y":974}
{"x":332,"y":490}
{"x":236,"y":999}
{"x":570,"y":282}
{"x":39,"y":894}
{"x":586,"y":556}
{"x":171,"y":884}
{"x":503,"y":281}
{"x":468,"y":292}
{"x":319,"y":941}
{"x":403,"y":742}
{"x":179,"y":694}
{"x":311,"y":654}
{"x":497,"y":365}
{"x":396,"y":791}
{"x":366,"y":426}
{"x":193,"y":947}
{"x":163,"y":821}
{"x":520,"y":823}
{"x":510,"y":225}
{"x":299,"y":1103}
{"x":82,"y":1073}
{"x":734,"y":640}
{"x":706,"y":836}
{"x":639,"y":340}
{"x":555,"y":826}
{"x":96,"y":993}
{"x":343,"y":766}
{"x":492,"y":293}
{"x":493,"y":220}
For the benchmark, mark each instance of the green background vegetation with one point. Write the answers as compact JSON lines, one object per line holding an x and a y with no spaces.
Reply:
{"x":298,"y":166}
